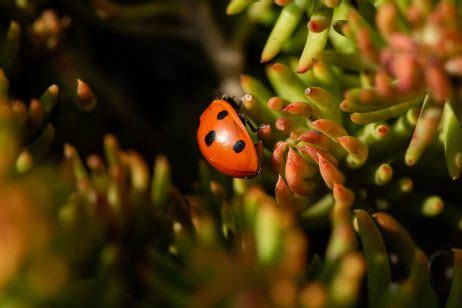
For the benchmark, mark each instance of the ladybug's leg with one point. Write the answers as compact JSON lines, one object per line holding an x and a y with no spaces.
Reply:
{"x":252,"y":127}
{"x":232,"y":102}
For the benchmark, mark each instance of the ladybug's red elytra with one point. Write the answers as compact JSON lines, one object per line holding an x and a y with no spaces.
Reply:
{"x":224,"y":141}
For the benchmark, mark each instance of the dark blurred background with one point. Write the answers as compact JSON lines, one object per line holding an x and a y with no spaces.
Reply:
{"x":152,"y":77}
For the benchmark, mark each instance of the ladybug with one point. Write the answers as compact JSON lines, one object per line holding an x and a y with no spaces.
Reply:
{"x":224,"y":141}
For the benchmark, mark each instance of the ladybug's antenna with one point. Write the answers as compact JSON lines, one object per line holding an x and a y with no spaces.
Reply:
{"x":232,"y":102}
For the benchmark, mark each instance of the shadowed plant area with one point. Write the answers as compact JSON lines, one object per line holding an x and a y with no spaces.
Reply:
{"x":105,"y":200}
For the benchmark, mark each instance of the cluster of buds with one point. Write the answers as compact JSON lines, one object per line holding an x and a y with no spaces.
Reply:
{"x":346,"y":66}
{"x":28,"y":261}
{"x":413,"y":53}
{"x":312,"y":149}
{"x":405,"y":55}
{"x":130,"y":213}
{"x":305,"y":131}
{"x":26,"y":127}
{"x":121,"y":193}
{"x":48,"y":28}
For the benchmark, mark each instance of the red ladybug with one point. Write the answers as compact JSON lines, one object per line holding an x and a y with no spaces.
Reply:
{"x":224,"y":141}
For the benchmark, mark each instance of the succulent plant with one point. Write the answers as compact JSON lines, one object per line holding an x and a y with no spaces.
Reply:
{"x":345,"y":212}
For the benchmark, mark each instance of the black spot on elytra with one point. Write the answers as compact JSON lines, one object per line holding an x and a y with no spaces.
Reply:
{"x":239,"y":146}
{"x":222,"y":114}
{"x":210,"y":138}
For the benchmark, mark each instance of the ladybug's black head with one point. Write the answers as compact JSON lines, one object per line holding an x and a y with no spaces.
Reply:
{"x":236,"y":106}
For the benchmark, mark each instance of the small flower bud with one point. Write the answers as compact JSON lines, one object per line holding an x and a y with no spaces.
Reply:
{"x":284,"y":125}
{"x":432,"y":206}
{"x":386,"y":19}
{"x":24,"y":162}
{"x":298,"y":172}
{"x":314,"y":153}
{"x":277,"y":103}
{"x":86,"y":99}
{"x":299,"y":109}
{"x":383,"y":175}
{"x":278,"y":158}
{"x":439,"y":83}
{"x":357,"y":150}
{"x":343,"y":195}
{"x":329,"y":128}
{"x":330,"y":173}
{"x":284,"y":196}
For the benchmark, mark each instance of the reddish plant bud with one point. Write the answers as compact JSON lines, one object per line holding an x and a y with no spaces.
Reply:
{"x":264,"y":133}
{"x":34,"y":115}
{"x":425,"y":130}
{"x":343,"y":195}
{"x":330,"y":173}
{"x":404,"y":68}
{"x":382,"y":130}
{"x":314,"y":137}
{"x":96,"y":164}
{"x":320,"y":20}
{"x":139,"y":172}
{"x":86,"y":99}
{"x":19,"y":111}
{"x":367,"y":96}
{"x":330,"y":128}
{"x":278,"y":158}
{"x":284,"y":125}
{"x":277,"y":103}
{"x":357,"y":150}
{"x":386,"y":57}
{"x":414,"y":15}
{"x":345,"y":106}
{"x":297,"y":172}
{"x":299,"y":109}
{"x":439,"y":83}
{"x":303,"y":168}
{"x":80,"y":173}
{"x":383,"y":84}
{"x":316,"y":25}
{"x":383,"y":175}
{"x":386,"y":19}
{"x":446,"y":13}
{"x":402,"y":42}
{"x":314,"y":153}
{"x":363,"y":37}
{"x":284,"y":196}
{"x":283,"y":2}
{"x":298,"y":185}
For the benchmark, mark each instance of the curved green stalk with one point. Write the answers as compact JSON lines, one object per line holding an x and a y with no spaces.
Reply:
{"x":378,"y":266}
